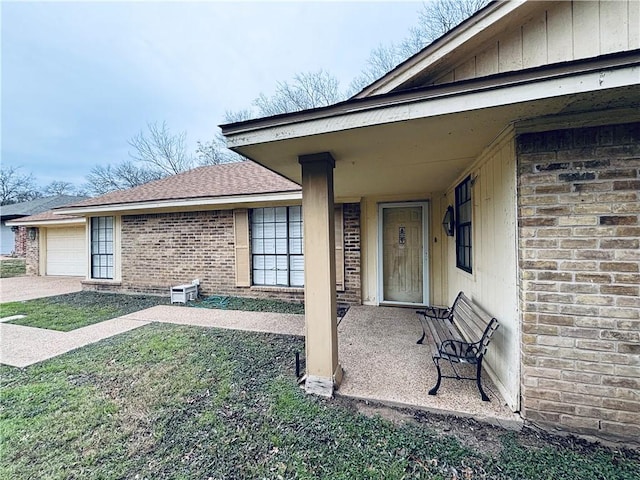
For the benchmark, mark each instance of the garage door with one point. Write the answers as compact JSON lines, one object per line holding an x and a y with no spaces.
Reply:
{"x":66,"y":253}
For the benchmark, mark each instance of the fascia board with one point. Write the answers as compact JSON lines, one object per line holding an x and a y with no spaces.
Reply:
{"x":227,"y":202}
{"x":526,"y":90}
{"x":44,"y":223}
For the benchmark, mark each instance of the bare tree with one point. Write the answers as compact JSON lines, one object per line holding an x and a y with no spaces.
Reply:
{"x":435,"y":18}
{"x":238,"y":115}
{"x":17,"y":187}
{"x":215,"y":152}
{"x":381,"y":60}
{"x":305,"y":91}
{"x":157,"y":152}
{"x":60,"y":187}
{"x":104,"y":179}
{"x":161,"y":150}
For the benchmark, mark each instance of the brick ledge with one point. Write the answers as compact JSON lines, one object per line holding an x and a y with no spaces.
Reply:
{"x":115,"y":283}
{"x":266,"y":288}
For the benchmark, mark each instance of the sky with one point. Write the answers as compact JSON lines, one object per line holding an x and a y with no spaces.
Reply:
{"x":79,"y":79}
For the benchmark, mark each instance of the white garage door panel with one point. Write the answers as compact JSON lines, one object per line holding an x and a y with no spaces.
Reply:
{"x":66,"y":253}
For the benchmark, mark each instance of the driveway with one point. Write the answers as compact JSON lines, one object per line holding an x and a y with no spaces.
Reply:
{"x":16,"y":289}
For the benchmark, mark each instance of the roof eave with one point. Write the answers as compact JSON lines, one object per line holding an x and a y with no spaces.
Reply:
{"x":244,"y":133}
{"x":189,"y":204}
{"x":51,"y":222}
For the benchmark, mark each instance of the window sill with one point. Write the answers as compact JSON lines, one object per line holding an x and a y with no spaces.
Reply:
{"x":267,"y":288}
{"x":99,"y":281}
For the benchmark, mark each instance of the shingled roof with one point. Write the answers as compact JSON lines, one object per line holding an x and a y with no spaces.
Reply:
{"x":227,"y":180}
{"x":45,"y":217}
{"x":36,"y":206}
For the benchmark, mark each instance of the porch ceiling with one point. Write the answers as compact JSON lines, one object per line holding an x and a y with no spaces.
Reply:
{"x":419,"y":155}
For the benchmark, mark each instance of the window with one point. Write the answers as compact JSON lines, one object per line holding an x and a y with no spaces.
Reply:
{"x":463,"y":225}
{"x":102,"y":247}
{"x":276,"y":246}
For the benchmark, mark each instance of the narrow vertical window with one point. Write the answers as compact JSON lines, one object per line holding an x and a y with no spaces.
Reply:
{"x":463,"y":225}
{"x":102,"y":247}
{"x":276,"y":246}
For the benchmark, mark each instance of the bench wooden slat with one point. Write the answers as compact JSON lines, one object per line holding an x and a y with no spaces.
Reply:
{"x":460,"y":334}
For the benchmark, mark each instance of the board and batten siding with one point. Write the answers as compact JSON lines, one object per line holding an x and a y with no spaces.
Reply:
{"x":561,"y":32}
{"x":493,"y":284}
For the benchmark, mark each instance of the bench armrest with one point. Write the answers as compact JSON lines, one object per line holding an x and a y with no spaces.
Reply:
{"x":440,"y":313}
{"x":458,"y":349}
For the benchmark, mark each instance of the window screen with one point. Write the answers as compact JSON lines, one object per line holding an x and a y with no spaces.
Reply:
{"x":276,"y":246}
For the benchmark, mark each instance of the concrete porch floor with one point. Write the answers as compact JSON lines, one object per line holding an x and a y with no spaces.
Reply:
{"x":382,"y":362}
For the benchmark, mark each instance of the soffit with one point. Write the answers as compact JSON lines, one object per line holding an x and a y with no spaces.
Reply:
{"x":420,"y":155}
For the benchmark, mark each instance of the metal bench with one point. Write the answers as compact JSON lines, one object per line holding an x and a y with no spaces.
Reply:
{"x":461,"y":334}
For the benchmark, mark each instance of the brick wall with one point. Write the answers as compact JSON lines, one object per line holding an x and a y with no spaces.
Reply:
{"x":353,"y":291}
{"x":579,"y":248}
{"x":161,"y":250}
{"x":20,"y":248}
{"x":32,"y":253}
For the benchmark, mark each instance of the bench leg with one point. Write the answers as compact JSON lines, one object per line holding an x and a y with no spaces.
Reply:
{"x":419,"y":342}
{"x":484,"y":396}
{"x":434,"y":390}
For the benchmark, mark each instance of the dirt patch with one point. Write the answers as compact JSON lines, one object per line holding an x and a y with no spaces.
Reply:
{"x":392,"y":415}
{"x":469,"y":432}
{"x":479,"y":436}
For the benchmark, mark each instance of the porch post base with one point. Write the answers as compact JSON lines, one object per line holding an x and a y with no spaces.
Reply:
{"x":323,"y":386}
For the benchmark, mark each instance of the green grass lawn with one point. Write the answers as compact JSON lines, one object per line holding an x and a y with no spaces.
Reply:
{"x":13,"y":267}
{"x":75,"y":310}
{"x":167,"y":401}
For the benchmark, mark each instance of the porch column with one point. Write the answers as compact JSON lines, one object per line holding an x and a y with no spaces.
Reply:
{"x":321,"y":335}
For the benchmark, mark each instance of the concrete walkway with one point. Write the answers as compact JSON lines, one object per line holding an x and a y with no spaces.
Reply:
{"x":283,"y":323}
{"x":17,"y":289}
{"x":23,"y":346}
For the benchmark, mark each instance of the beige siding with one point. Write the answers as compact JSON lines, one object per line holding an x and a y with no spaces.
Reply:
{"x":510,"y":51}
{"x":558,"y":17}
{"x":438,"y":252}
{"x":634,"y":21}
{"x":493,"y":282}
{"x":487,"y":61}
{"x":534,"y":41}
{"x":557,"y":32}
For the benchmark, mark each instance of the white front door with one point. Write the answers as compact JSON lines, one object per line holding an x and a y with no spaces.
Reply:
{"x":403,"y":262}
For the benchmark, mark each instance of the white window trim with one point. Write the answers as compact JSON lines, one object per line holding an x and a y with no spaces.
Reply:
{"x":117,"y":257}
